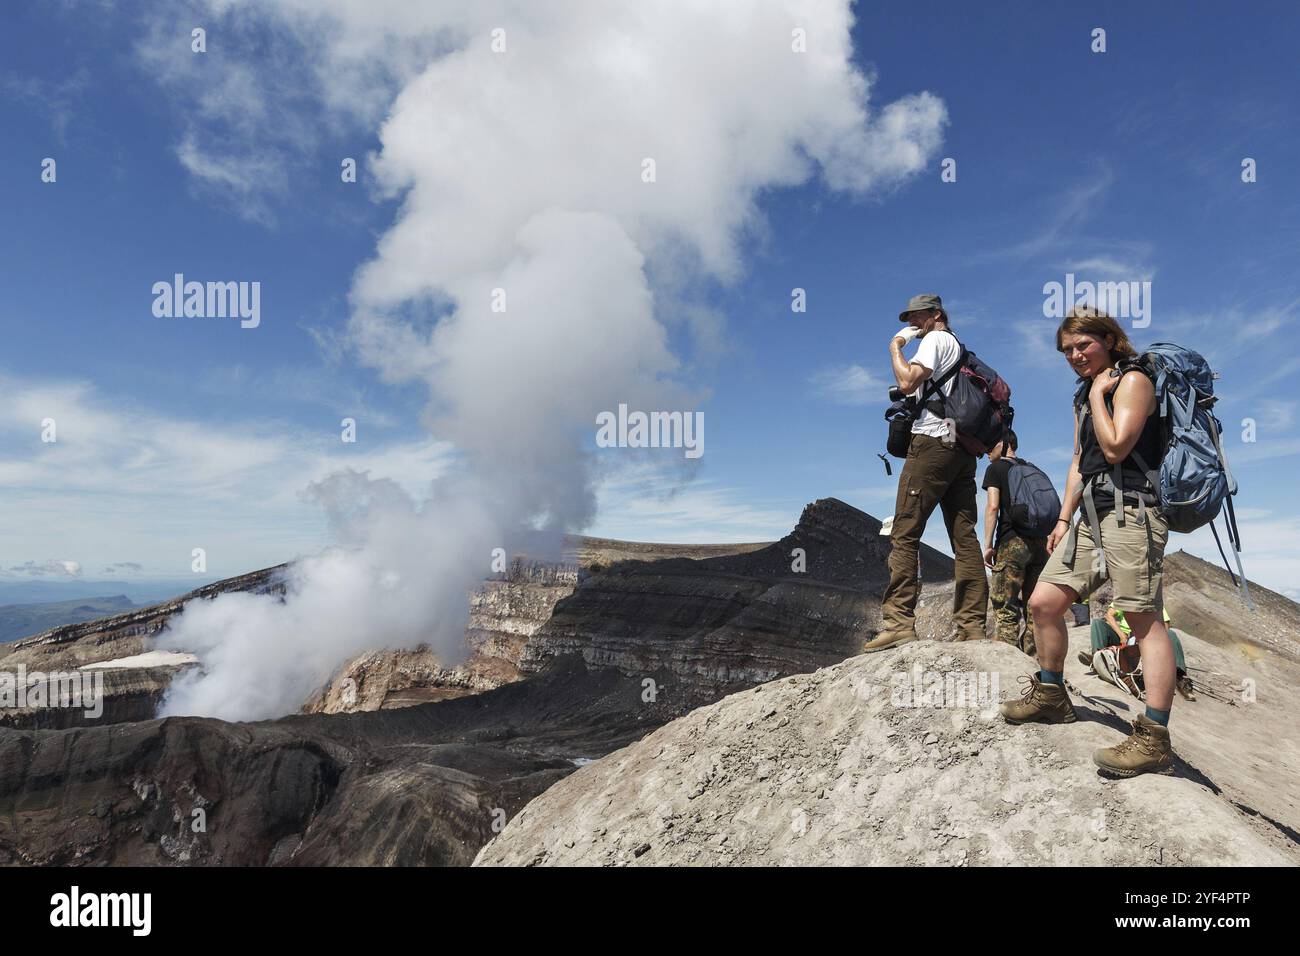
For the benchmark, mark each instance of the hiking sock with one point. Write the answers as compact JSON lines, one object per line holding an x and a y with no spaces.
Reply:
{"x":1058,"y":678}
{"x":1161,"y":717}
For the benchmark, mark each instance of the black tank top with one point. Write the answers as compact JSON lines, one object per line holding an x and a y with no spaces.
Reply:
{"x":1092,"y":461}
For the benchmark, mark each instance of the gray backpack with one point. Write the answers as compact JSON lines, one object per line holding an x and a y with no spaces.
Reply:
{"x":1034,"y":507}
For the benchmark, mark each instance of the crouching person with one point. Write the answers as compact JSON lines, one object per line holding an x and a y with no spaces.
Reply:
{"x":1120,"y":535}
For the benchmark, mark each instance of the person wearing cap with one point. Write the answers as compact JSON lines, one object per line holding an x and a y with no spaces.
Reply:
{"x":939,"y":473}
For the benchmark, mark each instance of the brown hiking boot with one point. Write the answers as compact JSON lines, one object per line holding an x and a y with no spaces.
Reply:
{"x":1185,"y":687}
{"x":1146,"y":750}
{"x":1040,"y":703}
{"x":1085,"y":658}
{"x":886,"y":639}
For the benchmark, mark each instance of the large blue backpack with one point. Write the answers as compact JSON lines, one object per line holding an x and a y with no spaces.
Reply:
{"x":1191,"y":480}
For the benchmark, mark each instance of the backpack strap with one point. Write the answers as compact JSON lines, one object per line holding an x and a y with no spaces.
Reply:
{"x":1094,"y":523}
{"x":1083,"y":410}
{"x":935,"y":387}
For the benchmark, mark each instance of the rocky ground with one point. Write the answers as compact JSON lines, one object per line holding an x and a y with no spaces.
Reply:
{"x":843,"y":767}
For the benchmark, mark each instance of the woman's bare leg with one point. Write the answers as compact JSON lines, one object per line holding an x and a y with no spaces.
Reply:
{"x":1048,"y":604}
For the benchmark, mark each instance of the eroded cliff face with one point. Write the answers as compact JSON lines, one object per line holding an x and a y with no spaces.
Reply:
{"x":504,"y":615}
{"x":730,"y":621}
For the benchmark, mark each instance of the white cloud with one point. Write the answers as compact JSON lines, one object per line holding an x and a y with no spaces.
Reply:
{"x":122,"y":482}
{"x":849,"y":385}
{"x":636,"y":505}
{"x":1110,"y":269}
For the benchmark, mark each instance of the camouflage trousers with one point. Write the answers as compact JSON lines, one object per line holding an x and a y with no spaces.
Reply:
{"x":1016,"y":567}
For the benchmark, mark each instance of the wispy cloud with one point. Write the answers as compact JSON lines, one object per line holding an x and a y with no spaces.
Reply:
{"x":49,"y":568}
{"x":1073,"y":207}
{"x":848,"y":385}
{"x":56,"y":100}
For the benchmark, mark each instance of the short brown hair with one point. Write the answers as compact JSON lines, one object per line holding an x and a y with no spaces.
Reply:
{"x":1085,"y":320}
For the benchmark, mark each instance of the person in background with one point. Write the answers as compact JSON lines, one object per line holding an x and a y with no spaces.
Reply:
{"x":1016,"y":560}
{"x":1114,"y":631}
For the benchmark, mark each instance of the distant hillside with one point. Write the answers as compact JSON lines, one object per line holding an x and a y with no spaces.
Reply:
{"x":23,"y":620}
{"x":20,"y":590}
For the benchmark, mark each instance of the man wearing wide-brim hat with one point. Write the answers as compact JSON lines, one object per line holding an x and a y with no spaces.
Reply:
{"x":938,"y":472}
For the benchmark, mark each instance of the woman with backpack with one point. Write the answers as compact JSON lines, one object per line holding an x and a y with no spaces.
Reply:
{"x":1119,"y":534}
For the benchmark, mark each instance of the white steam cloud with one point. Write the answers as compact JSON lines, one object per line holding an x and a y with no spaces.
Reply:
{"x":522,"y":171}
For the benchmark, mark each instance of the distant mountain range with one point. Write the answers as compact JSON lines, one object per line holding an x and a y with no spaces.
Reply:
{"x":15,"y":590}
{"x":23,"y":620}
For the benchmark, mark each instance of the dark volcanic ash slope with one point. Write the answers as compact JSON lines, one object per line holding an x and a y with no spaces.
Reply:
{"x":731,"y":621}
{"x":419,"y":785}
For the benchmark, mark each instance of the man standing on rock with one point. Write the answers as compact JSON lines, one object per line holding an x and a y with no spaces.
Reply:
{"x":938,"y":472}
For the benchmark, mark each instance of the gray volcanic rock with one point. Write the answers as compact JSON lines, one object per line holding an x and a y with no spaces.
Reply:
{"x":852,"y":765}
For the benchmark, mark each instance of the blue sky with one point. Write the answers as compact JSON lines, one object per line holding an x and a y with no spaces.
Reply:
{"x":175,"y":434}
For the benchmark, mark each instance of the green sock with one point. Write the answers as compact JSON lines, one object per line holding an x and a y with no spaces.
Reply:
{"x":1161,"y":717}
{"x":1051,"y":677}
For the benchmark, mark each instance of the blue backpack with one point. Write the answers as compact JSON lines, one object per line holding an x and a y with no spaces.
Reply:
{"x":1191,"y":480}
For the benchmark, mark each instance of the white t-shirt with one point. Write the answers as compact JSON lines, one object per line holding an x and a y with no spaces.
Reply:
{"x":938,"y":352}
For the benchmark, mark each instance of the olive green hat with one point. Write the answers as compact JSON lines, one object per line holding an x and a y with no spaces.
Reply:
{"x":923,"y":303}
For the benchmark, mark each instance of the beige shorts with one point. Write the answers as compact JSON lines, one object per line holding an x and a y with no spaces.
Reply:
{"x":1135,"y":559}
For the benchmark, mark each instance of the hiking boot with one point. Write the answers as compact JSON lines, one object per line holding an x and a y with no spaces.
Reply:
{"x":1106,"y":664}
{"x":1085,"y":658}
{"x":887,"y":639}
{"x":1185,"y":687}
{"x":970,"y":636}
{"x":1040,"y":704}
{"x":1146,"y":750}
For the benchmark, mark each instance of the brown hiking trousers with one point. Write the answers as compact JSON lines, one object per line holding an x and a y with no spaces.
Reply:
{"x":942,"y":475}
